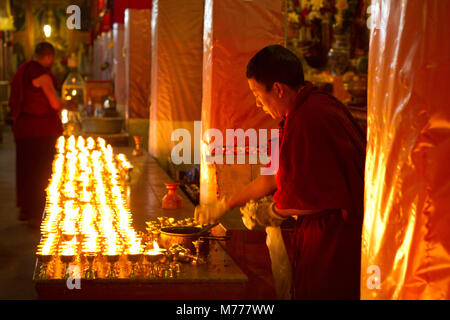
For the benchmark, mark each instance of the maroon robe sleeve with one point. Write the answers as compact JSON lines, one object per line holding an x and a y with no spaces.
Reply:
{"x":16,"y":97}
{"x":322,"y":157}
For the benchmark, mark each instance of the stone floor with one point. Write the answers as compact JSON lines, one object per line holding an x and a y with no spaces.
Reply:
{"x":17,"y":241}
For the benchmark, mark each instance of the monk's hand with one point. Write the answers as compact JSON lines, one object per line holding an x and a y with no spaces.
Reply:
{"x":261,"y":212}
{"x":211,"y":212}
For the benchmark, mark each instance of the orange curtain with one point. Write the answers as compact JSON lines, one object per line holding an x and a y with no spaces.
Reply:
{"x":233,"y":32}
{"x":406,"y":238}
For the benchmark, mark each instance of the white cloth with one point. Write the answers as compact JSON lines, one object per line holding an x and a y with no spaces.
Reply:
{"x":281,"y":266}
{"x":261,"y":212}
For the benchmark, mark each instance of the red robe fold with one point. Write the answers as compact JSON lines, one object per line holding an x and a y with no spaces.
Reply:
{"x":32,"y":112}
{"x":322,"y":155}
{"x":36,"y":127}
{"x":321,"y":167}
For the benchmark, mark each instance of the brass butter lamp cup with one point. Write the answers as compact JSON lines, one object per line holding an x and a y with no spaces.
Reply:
{"x":155,"y":234}
{"x":152,"y":258}
{"x":133,"y":258}
{"x":90,"y":273}
{"x":66,"y":259}
{"x":43,"y":259}
{"x":126,"y":174}
{"x":67,"y":237}
{"x":112,"y":259}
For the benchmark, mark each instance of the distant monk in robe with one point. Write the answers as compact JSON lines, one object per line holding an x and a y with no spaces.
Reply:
{"x":34,"y":106}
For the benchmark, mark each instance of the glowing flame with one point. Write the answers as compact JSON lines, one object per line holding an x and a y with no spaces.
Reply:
{"x":69,"y":190}
{"x":86,"y":196}
{"x":80,"y":143}
{"x":69,"y":247}
{"x":207,"y":177}
{"x":70,"y":218}
{"x":112,"y":247}
{"x":83,"y":161}
{"x":48,"y":244}
{"x":47,"y":30}
{"x":60,"y":144}
{"x":126,"y":165}
{"x":85,"y":178}
{"x":53,"y":215}
{"x":64,"y":116}
{"x":123,"y":161}
{"x":90,"y":244}
{"x":71,"y":144}
{"x":90,"y":143}
{"x":101,"y":143}
{"x":135,"y":247}
{"x":87,"y":219}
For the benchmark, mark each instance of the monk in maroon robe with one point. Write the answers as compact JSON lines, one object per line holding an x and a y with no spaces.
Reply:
{"x":319,"y":182}
{"x":34,"y":105}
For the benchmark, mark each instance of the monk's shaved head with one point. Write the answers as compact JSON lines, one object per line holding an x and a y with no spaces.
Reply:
{"x":44,"y":49}
{"x":275,"y":63}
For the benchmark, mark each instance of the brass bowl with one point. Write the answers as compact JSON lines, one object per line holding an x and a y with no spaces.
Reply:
{"x":134,"y":257}
{"x":184,"y":236}
{"x":67,"y":237}
{"x":112,"y":258}
{"x":44,"y":258}
{"x":66,"y":258}
{"x":90,"y":256}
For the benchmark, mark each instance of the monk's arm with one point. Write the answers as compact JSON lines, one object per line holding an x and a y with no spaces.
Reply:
{"x":45,"y":82}
{"x":262,"y":186}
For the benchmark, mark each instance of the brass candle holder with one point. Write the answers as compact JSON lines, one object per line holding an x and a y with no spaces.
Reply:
{"x":43,"y":259}
{"x":156,"y":233}
{"x":199,"y":259}
{"x":90,"y":273}
{"x":152,"y":258}
{"x":161,"y":270}
{"x":184,"y":257}
{"x":178,"y":269}
{"x":66,"y":259}
{"x":87,"y":219}
{"x":133,"y":258}
{"x":67,"y":237}
{"x":112,"y":259}
{"x":126,"y":175}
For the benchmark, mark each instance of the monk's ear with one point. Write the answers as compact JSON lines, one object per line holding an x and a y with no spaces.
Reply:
{"x":278,"y":88}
